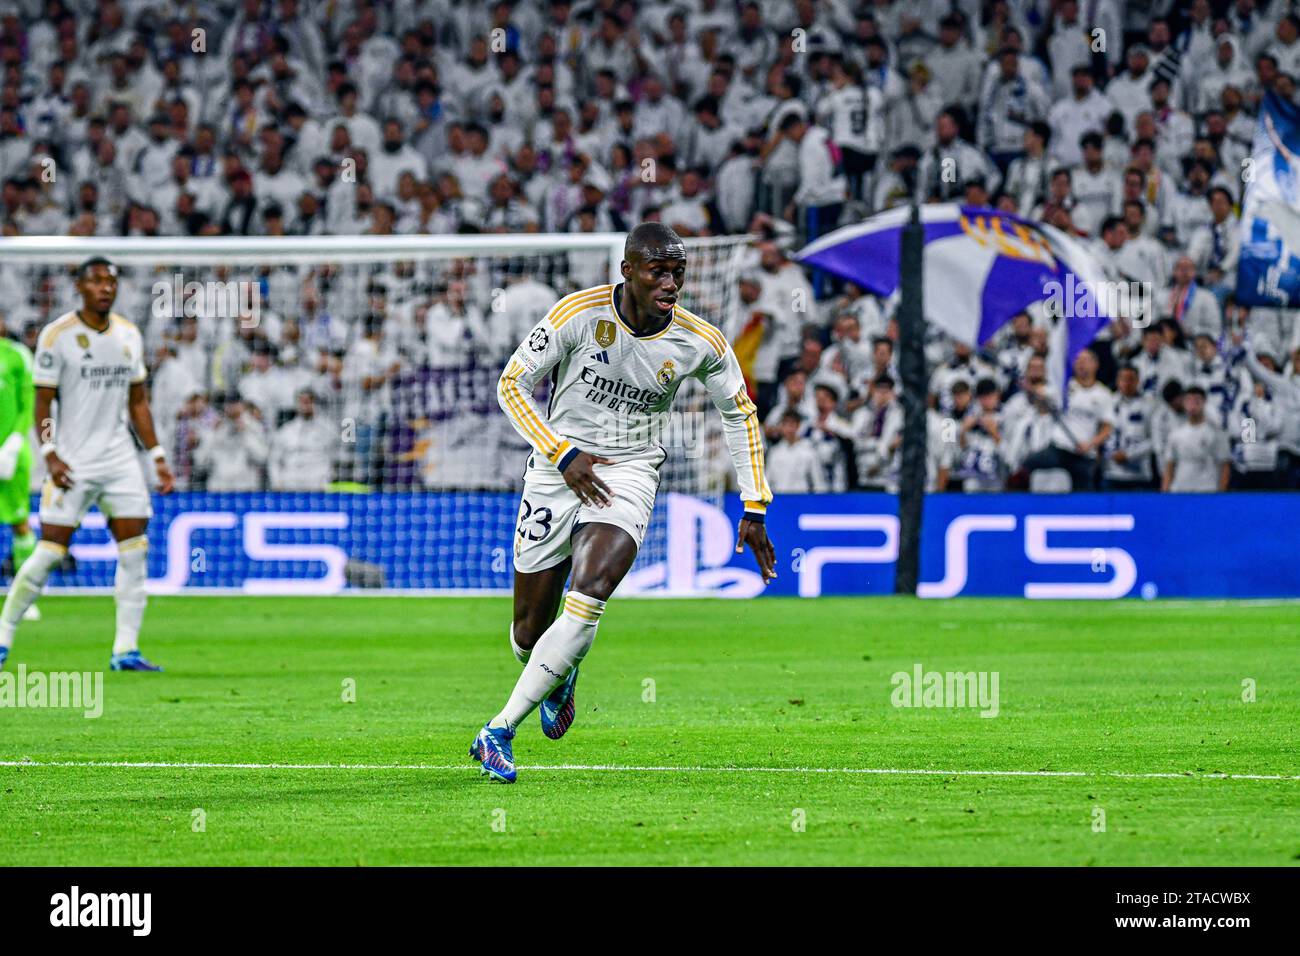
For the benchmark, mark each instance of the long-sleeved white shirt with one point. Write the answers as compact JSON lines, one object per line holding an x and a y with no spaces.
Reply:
{"x":795,"y":468}
{"x":612,"y":390}
{"x":302,"y":454}
{"x":820,"y":183}
{"x":233,"y":457}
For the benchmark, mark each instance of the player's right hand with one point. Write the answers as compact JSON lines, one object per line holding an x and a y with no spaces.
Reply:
{"x":59,"y":471}
{"x":166,"y":481}
{"x":581,"y":477}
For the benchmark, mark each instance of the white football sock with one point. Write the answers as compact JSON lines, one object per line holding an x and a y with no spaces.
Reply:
{"x":26,"y":587}
{"x":557,"y":652}
{"x":521,"y":655}
{"x":128,"y":591}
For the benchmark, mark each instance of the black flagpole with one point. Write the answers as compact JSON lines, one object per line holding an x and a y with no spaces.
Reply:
{"x":911,"y":367}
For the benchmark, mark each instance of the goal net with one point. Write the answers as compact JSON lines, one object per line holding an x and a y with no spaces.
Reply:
{"x":329,"y":403}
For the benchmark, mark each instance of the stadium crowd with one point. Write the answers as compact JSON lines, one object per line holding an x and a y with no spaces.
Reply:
{"x":1125,"y":124}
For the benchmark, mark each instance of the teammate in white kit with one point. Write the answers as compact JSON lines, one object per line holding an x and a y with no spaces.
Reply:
{"x":92,"y":362}
{"x":616,"y":355}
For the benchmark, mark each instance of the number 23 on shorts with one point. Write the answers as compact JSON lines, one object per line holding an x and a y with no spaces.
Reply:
{"x":534,"y":523}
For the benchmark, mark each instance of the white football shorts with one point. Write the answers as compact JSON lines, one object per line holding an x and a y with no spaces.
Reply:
{"x":120,"y":493}
{"x":549,"y":511}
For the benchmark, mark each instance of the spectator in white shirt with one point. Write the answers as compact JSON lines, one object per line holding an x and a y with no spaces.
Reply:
{"x":362,"y":129}
{"x":1084,"y":111}
{"x":393,"y":158}
{"x":1174,"y":128}
{"x":795,"y":397}
{"x":1081,"y":428}
{"x":1190,"y":304}
{"x":1215,"y":247}
{"x":369,"y":367}
{"x":1009,"y":105}
{"x":854,"y":113}
{"x":688,"y":213}
{"x":830,"y":432}
{"x":1256,"y":425}
{"x":1128,"y":452}
{"x":878,"y":435}
{"x":1097,"y":189}
{"x":911,"y":116}
{"x":793,"y":467}
{"x":1029,"y":175}
{"x":266,"y":385}
{"x":1142,"y":256}
{"x":951,"y":163}
{"x":301,"y":457}
{"x":1158,"y":362}
{"x":1131,"y":91}
{"x":234,"y":453}
{"x":1198,"y":454}
{"x":822,"y":187}
{"x":955,"y":66}
{"x":1167,"y":416}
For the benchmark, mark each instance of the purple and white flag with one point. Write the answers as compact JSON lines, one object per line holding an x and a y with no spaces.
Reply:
{"x":982,"y":266}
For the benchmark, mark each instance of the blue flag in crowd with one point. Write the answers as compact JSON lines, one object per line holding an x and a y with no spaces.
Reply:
{"x":1268,"y":272}
{"x":982,"y":266}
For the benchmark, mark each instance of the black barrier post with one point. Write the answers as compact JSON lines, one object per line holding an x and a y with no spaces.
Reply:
{"x":911,"y":368}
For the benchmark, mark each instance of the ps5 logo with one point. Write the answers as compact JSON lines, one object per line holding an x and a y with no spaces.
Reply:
{"x":257,"y":527}
{"x":698,"y":557}
{"x":957,"y":552}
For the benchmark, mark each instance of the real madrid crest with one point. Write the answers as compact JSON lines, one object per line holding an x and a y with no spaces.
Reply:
{"x":83,"y":340}
{"x":667,"y":373}
{"x":606,"y":332}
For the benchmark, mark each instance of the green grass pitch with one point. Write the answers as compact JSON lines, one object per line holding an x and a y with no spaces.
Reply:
{"x":1119,"y":693}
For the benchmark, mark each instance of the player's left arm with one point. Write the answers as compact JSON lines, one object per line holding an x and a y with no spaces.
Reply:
{"x":740,"y":426}
{"x":142,"y":422}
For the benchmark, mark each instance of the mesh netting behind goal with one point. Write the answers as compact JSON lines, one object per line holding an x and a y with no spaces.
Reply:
{"x":402,"y":463}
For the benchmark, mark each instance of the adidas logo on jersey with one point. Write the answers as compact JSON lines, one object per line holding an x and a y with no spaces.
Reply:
{"x":602,"y":357}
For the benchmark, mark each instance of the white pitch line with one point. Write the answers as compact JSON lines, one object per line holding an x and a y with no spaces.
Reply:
{"x":619,"y":768}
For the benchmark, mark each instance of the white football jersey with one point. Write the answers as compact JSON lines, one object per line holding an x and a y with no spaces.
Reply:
{"x":93,"y":372}
{"x":612,"y":390}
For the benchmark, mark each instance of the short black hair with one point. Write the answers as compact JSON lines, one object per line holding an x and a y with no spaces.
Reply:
{"x":653,"y":240}
{"x":1219,"y":189}
{"x":790,"y":121}
{"x":85,"y":267}
{"x":707,"y":104}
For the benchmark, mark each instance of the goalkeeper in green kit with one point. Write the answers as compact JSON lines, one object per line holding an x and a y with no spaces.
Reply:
{"x":17,"y":401}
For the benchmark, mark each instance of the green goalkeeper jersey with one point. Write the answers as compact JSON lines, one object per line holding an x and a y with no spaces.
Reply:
{"x":17,"y":396}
